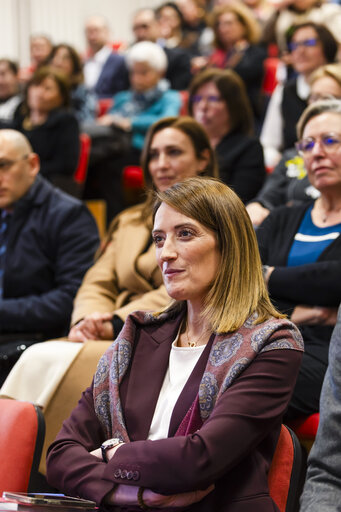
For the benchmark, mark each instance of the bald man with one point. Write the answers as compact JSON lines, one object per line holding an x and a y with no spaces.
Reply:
{"x":105,"y":71}
{"x":47,"y":242}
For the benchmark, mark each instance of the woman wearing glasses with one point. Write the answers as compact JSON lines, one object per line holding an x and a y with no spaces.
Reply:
{"x":219,"y":102}
{"x":289,"y":182}
{"x":301,"y":250}
{"x":310,"y":46}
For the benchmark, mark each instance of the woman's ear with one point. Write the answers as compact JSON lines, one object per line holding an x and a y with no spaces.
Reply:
{"x":204,"y":159}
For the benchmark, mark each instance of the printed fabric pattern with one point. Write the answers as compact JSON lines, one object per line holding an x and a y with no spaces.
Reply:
{"x":230,"y":355}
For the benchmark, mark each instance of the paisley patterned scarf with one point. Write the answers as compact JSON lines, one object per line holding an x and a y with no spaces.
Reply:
{"x":230,"y":355}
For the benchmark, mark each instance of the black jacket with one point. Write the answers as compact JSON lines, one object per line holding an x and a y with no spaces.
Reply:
{"x":287,"y":184}
{"x":241,"y":164}
{"x":313,"y":284}
{"x":52,"y":239}
{"x":56,"y":142}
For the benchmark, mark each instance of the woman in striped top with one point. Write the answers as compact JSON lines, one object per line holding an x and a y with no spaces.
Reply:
{"x":301,"y":250}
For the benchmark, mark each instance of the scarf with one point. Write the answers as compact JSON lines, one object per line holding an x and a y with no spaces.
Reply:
{"x":142,"y":101}
{"x":229,"y":356}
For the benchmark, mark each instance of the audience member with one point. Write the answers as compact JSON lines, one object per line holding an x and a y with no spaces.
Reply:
{"x":262,"y":10}
{"x":196,"y":27}
{"x":145,"y":28}
{"x":237,"y":35}
{"x":323,"y":485}
{"x":125,"y":277}
{"x":40,"y":48}
{"x":172,"y":32}
{"x":134,"y":111}
{"x":46,"y":120}
{"x":194,"y":396}
{"x":219,"y":102}
{"x":83,"y":102}
{"x":9,"y":89}
{"x":311,"y":46}
{"x":300,"y":247}
{"x":47,"y":242}
{"x":296,"y":12}
{"x":105,"y":72}
{"x":289,"y":182}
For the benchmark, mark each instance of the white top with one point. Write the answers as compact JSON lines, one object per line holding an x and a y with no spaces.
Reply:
{"x":182,"y":361}
{"x":94,"y":65}
{"x":7,"y":108}
{"x":271,"y":136}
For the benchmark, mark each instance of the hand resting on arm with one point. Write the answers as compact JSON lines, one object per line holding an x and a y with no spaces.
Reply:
{"x":97,"y":326}
{"x":128,"y":494}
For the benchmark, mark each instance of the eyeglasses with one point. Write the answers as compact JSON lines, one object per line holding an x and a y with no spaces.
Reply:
{"x":330,"y":142}
{"x":5,"y":165}
{"x":197,"y":98}
{"x":307,"y":43}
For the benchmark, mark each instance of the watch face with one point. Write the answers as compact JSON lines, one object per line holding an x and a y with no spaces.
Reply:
{"x":106,"y":445}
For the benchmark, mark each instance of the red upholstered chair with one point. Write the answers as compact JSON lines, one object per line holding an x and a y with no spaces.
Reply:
{"x":306,"y":429}
{"x":133,"y":184}
{"x":287,"y":472}
{"x":82,"y":168}
{"x":103,"y":105}
{"x":22,"y":431}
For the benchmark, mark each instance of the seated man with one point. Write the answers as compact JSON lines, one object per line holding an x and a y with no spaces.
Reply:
{"x":105,"y":72}
{"x":47,"y":242}
{"x":322,"y":489}
{"x":9,"y":89}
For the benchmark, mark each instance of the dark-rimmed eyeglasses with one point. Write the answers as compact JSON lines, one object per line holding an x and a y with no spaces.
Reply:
{"x":306,"y":43}
{"x":330,"y":141}
{"x":197,"y":98}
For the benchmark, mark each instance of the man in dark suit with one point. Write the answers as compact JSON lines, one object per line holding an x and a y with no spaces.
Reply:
{"x":47,"y":242}
{"x":105,"y":71}
{"x":145,"y":28}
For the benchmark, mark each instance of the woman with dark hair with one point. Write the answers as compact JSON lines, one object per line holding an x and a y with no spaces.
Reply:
{"x":310,"y":45}
{"x":186,"y":405}
{"x":172,"y":29}
{"x":237,"y":35}
{"x":65,"y":58}
{"x":218,"y":100}
{"x":46,"y":120}
{"x":289,"y":13}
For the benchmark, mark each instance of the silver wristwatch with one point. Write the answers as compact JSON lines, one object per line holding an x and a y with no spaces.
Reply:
{"x":109,"y":443}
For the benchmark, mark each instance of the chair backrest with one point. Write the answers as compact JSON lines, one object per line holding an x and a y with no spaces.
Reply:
{"x":103,"y":105}
{"x":22,"y":431}
{"x":98,"y":209}
{"x":82,"y":168}
{"x":306,"y":429}
{"x":287,"y":472}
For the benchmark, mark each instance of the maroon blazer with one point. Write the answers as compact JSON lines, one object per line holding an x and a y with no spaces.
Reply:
{"x":233,"y":448}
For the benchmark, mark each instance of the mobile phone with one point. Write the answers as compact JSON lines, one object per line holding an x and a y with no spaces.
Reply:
{"x":47,"y":499}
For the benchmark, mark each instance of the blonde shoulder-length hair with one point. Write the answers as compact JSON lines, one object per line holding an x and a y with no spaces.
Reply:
{"x":238,"y":290}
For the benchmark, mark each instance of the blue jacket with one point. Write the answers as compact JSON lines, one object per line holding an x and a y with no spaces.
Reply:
{"x":113,"y":78}
{"x":168,"y":104}
{"x":52,"y":239}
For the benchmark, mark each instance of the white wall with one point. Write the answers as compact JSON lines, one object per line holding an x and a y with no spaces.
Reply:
{"x":62,"y":20}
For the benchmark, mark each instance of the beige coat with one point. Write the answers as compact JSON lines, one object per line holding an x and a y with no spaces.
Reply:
{"x":126,"y":277}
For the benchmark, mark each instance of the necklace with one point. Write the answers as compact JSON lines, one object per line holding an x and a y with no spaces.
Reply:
{"x":326,"y":215}
{"x":193,"y":344}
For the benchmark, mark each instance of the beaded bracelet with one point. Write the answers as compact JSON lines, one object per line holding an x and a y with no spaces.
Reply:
{"x":140,"y":499}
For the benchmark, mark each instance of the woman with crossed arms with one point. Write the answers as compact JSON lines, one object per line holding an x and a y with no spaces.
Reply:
{"x":186,"y":405}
